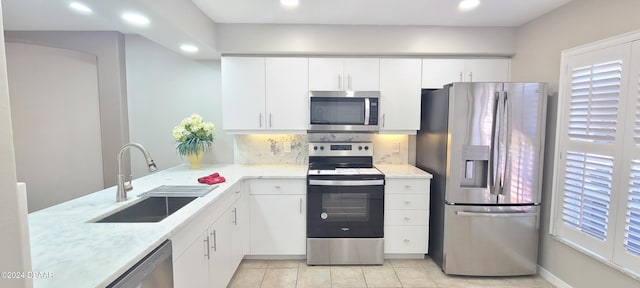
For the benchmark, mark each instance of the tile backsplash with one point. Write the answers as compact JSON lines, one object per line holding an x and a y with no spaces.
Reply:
{"x":272,"y":149}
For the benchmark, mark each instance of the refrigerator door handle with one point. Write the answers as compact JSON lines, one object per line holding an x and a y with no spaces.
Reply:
{"x":494,"y":160}
{"x":497,"y":215}
{"x":506,"y":173}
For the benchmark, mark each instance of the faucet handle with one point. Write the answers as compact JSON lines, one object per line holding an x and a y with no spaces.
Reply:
{"x":128,"y":186}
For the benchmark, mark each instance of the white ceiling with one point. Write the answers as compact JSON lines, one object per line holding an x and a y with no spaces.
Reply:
{"x":378,"y":12}
{"x":174,"y":22}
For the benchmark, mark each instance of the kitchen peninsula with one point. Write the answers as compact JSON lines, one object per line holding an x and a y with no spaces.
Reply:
{"x":79,"y":253}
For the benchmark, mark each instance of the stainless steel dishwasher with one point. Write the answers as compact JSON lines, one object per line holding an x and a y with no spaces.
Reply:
{"x":154,"y":270}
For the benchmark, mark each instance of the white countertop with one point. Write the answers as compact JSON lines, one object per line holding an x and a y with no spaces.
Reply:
{"x":81,"y":254}
{"x":403,"y":171}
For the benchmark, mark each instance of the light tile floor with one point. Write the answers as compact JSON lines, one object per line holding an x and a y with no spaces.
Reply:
{"x":394,"y":273}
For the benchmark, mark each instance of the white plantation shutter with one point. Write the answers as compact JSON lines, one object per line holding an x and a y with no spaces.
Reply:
{"x":595,"y":90}
{"x":587,"y":193}
{"x":590,"y":134}
{"x":627,"y":247}
{"x":598,"y":172}
{"x":632,"y":224}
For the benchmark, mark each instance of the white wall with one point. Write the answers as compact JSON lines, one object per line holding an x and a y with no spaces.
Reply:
{"x":163,"y":88}
{"x":364,"y":40}
{"x":56,"y":123}
{"x":538,"y":59}
{"x":12,"y":243}
{"x":109,"y":49}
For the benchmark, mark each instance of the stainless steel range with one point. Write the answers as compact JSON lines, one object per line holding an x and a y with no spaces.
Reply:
{"x":345,"y":205}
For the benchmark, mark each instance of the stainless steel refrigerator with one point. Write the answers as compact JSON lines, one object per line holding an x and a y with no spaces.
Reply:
{"x":484,"y":144}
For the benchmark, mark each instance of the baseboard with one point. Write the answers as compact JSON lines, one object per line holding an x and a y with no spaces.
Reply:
{"x":555,"y":281}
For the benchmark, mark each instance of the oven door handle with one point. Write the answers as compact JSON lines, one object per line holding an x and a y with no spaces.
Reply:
{"x":379,"y":182}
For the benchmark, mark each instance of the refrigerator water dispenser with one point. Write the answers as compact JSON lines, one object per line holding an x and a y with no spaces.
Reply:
{"x":475,"y":166}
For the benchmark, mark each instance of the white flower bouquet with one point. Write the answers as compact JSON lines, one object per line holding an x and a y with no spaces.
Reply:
{"x":194,"y":135}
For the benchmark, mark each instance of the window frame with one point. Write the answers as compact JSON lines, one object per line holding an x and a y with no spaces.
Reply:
{"x":607,"y":253}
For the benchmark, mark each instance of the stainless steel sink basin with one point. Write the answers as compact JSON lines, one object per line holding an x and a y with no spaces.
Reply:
{"x":151,"y":209}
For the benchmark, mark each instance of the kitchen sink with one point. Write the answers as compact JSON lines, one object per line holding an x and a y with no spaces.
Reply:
{"x":151,"y":209}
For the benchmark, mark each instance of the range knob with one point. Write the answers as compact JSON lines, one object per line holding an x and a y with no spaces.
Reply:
{"x":321,"y":147}
{"x":366,"y":147}
{"x":315,"y":147}
{"x":360,"y":148}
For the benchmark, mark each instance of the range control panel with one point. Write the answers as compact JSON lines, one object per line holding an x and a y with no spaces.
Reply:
{"x":341,"y":149}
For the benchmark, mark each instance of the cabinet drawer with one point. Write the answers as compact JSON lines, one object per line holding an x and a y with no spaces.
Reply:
{"x":407,"y":186}
{"x":406,"y":239}
{"x":406,"y":201}
{"x":278,"y":186}
{"x":406,"y":217}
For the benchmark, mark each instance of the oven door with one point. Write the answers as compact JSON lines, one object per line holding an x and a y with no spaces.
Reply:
{"x":345,"y":208}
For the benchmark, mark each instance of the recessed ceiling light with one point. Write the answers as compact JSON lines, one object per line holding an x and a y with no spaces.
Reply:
{"x":289,"y":3}
{"x":80,"y":7}
{"x":466,"y":5}
{"x":136,"y":19}
{"x":189,"y":48}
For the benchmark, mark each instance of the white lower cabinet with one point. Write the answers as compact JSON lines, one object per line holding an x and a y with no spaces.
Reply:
{"x":278,"y":217}
{"x":406,"y":216}
{"x":211,"y":257}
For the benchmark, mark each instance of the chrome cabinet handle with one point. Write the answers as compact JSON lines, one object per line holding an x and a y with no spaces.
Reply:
{"x":407,"y":240}
{"x":270,"y":120}
{"x":384,"y":119}
{"x":339,"y":81}
{"x":460,"y":76}
{"x":300,"y":205}
{"x":470,"y":76}
{"x":407,"y":202}
{"x":349,"y":80}
{"x":260,"y":119}
{"x":235,"y":216}
{"x":214,"y":241}
{"x":407,"y":187}
{"x":407,"y":218}
{"x":206,"y":248}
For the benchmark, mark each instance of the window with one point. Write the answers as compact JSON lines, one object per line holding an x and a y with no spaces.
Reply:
{"x":597,"y":181}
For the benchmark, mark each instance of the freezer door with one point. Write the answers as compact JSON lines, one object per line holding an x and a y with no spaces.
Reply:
{"x":490,"y":241}
{"x":522,"y":146}
{"x":472,"y":130}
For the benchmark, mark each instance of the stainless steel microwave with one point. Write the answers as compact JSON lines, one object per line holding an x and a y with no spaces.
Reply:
{"x":344,"y":111}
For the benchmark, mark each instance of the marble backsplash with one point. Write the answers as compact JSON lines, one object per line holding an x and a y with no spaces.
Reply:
{"x":271,"y":149}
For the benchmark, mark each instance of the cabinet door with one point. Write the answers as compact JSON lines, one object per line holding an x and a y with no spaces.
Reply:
{"x":487,"y":70}
{"x":220,"y":265}
{"x":326,"y":74}
{"x":243,"y":93}
{"x":400,"y":94}
{"x":239,"y":232}
{"x":191,"y":269}
{"x":278,"y":224}
{"x":439,"y":72}
{"x":287,"y":93}
{"x":361,"y":74}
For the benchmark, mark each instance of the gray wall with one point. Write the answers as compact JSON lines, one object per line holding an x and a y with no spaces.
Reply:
{"x":12,"y":245}
{"x":109,"y":50}
{"x":163,"y":88}
{"x":364,"y":40}
{"x":538,"y":59}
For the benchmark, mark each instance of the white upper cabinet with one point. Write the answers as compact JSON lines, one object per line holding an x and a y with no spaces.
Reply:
{"x":400,"y":93}
{"x":331,"y":74}
{"x":487,"y":70}
{"x":243,"y":93}
{"x":265,"y":93}
{"x":287,"y":104}
{"x":439,"y":72}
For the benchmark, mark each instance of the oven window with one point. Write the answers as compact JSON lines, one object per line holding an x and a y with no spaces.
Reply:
{"x":340,"y":207}
{"x":333,"y":111}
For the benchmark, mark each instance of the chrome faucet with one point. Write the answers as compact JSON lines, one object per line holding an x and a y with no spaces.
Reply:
{"x":123,"y":187}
